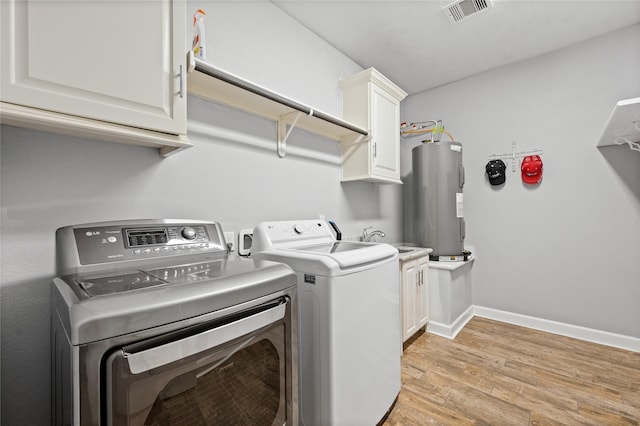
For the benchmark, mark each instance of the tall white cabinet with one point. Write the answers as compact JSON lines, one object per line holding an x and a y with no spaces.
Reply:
{"x":114,"y":69}
{"x":372,"y":101}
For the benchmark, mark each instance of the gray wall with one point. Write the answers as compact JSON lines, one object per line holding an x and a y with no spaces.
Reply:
{"x":231,"y":175}
{"x":568,"y":249}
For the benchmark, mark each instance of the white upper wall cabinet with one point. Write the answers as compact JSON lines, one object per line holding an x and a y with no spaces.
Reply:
{"x":372,"y":101}
{"x":114,"y":69}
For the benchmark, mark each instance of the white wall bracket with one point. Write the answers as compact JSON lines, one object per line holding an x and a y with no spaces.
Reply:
{"x":350,"y":147}
{"x":634,"y":146}
{"x":284,"y":133}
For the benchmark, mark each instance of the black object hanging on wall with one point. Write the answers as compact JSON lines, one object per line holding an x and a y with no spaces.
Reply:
{"x":496,"y":172}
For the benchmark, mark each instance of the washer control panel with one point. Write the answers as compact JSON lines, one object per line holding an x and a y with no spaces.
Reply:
{"x":289,"y":233}
{"x":104,"y":243}
{"x":165,"y":235}
{"x":300,"y":230}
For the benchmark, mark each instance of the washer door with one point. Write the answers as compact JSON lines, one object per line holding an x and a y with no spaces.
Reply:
{"x":235,"y":370}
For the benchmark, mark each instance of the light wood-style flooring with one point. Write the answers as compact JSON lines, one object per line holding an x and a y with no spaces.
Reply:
{"x":495,"y":373}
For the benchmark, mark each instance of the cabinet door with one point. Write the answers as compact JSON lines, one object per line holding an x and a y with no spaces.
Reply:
{"x":118,"y":62}
{"x":409,"y":291}
{"x":422,"y":294}
{"x":385,"y":134}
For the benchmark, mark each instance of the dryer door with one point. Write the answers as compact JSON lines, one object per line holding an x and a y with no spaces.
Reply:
{"x":236,"y":370}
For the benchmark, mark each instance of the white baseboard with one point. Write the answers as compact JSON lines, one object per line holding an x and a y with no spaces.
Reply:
{"x":450,"y":331}
{"x":577,"y":332}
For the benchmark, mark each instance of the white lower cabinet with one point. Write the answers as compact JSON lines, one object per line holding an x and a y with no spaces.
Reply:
{"x":414,"y":294}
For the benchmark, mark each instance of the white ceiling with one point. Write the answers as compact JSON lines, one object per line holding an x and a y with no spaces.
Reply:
{"x":414,"y":44}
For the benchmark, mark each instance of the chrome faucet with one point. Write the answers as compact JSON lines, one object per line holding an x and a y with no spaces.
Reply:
{"x":368,"y":236}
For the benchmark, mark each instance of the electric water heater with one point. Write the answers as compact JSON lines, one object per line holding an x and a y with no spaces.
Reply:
{"x":438,"y":178}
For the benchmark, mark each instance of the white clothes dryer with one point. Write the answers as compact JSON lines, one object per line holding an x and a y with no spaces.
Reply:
{"x":350,"y":341}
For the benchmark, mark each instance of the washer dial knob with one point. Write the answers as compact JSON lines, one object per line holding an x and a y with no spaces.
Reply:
{"x":188,"y":233}
{"x":297,"y":229}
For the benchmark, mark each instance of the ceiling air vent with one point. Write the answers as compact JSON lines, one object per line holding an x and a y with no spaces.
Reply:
{"x":460,"y":10}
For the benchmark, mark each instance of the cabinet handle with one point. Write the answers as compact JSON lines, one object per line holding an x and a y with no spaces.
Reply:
{"x":181,"y":82}
{"x":375,"y":149}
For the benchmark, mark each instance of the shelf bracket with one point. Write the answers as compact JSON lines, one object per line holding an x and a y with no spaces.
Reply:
{"x":634,"y":146}
{"x":191,"y":61}
{"x":283,"y":132}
